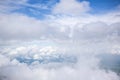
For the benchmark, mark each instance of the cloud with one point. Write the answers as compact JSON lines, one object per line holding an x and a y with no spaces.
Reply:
{"x":8,"y":6}
{"x":70,"y":60}
{"x":5,"y":60}
{"x":60,"y":47}
{"x":84,"y":68}
{"x":75,"y":7}
{"x":22,"y":27}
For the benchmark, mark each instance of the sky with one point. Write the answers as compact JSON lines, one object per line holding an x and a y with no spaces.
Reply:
{"x":40,"y":8}
{"x":59,"y":39}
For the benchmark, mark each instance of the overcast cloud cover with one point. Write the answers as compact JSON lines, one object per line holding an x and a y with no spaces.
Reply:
{"x":64,"y":45}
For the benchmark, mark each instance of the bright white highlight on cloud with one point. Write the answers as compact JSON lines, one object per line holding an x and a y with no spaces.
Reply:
{"x":71,"y":7}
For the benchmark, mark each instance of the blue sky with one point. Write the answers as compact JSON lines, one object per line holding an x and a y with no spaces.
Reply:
{"x":97,"y":7}
{"x":100,"y":6}
{"x":52,"y":14}
{"x":59,"y":12}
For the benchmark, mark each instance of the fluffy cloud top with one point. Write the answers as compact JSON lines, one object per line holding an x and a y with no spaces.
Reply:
{"x":71,"y":7}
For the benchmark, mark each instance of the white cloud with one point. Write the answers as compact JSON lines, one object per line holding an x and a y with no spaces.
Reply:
{"x":87,"y":69}
{"x":4,"y":60}
{"x":21,"y":27}
{"x":69,"y":54}
{"x":72,"y":7}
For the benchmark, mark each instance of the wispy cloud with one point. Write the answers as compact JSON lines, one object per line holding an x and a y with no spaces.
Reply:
{"x":12,"y":5}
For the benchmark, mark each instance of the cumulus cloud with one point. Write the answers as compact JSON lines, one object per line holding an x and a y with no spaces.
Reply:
{"x":97,"y":30}
{"x":21,"y":27}
{"x":69,"y":60}
{"x":83,"y":68}
{"x":60,"y":47}
{"x":73,"y":7}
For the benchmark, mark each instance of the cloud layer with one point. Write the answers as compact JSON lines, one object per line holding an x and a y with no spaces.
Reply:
{"x":51,"y":63}
{"x":16,"y":26}
{"x":65,"y":45}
